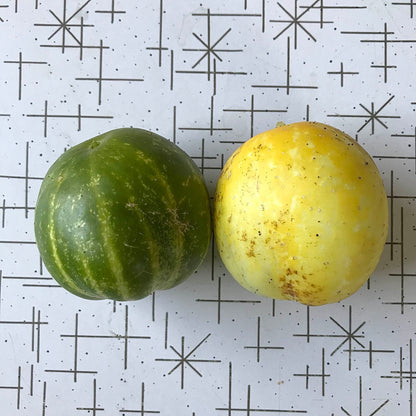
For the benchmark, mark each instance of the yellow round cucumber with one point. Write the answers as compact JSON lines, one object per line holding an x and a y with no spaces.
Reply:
{"x":301,"y":213}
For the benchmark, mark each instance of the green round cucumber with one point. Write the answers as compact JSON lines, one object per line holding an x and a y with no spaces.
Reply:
{"x":122,"y":215}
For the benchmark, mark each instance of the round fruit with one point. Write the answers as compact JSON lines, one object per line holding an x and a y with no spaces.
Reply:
{"x":300,"y":213}
{"x":122,"y":215}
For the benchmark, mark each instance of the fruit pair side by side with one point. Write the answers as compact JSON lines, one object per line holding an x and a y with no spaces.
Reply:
{"x":300,"y":213}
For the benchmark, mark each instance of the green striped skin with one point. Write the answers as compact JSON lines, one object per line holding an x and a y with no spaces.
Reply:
{"x":122,"y":215}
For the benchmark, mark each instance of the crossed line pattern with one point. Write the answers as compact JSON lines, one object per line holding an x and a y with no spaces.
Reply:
{"x":160,"y":48}
{"x":142,"y":411}
{"x":210,"y":49}
{"x":112,"y":12}
{"x":371,"y":116}
{"x":385,"y":41}
{"x":64,"y":27}
{"x":288,"y":86}
{"x":349,"y":335}
{"x":27,"y":178}
{"x":125,"y":337}
{"x":371,"y":352}
{"x":20,"y":62}
{"x":261,"y":14}
{"x":342,"y":73}
{"x":17,"y":387}
{"x":403,"y":275}
{"x":35,"y":324}
{"x":94,"y":408}
{"x":402,"y":374}
{"x":411,"y":4}
{"x":294,"y":20}
{"x":252,"y":110}
{"x":322,"y":375}
{"x":250,"y":408}
{"x":184,"y":359}
{"x":361,"y":402}
{"x":259,"y":346}
{"x":219,"y":300}
{"x":79,"y":117}
{"x":299,"y":21}
{"x":100,"y":79}
{"x":211,"y":128}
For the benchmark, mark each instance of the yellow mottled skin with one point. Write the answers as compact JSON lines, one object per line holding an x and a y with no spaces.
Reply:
{"x":300,"y":213}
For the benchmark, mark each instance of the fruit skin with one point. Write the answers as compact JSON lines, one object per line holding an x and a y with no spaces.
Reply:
{"x":122,"y":215}
{"x":300,"y":213}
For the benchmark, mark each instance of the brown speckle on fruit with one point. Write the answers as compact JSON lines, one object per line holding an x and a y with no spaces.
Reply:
{"x":288,"y":289}
{"x":250,"y":252}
